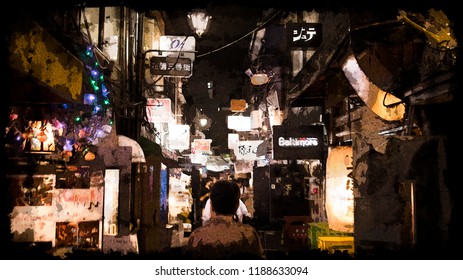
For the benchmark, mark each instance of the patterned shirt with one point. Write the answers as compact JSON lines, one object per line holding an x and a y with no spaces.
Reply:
{"x":223,"y":238}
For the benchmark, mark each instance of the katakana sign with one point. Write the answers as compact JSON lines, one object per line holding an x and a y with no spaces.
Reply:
{"x":304,"y":34}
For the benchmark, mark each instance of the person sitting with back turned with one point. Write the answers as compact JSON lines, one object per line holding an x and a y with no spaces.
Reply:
{"x":222,"y":237}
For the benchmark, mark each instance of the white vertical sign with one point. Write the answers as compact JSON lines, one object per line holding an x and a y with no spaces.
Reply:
{"x":179,"y":136}
{"x":339,"y":189}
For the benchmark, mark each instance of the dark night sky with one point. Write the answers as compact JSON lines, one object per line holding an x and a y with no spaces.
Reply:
{"x":222,"y":57}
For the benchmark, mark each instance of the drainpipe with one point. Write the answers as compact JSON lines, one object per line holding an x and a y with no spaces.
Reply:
{"x":122,"y":50}
{"x":139,"y":77}
{"x":101,"y":24}
{"x":130,"y":70}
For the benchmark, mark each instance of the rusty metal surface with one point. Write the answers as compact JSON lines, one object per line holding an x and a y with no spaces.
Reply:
{"x":34,"y":52}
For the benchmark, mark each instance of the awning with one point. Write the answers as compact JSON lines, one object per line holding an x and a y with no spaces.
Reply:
{"x":152,"y":148}
{"x":138,"y":156}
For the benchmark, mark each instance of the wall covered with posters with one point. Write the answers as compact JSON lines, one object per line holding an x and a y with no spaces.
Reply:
{"x":79,"y":204}
{"x":58,"y":204}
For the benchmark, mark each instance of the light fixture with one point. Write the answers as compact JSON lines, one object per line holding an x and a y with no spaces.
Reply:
{"x":199,"y":21}
{"x":257,"y":79}
{"x":203,"y":122}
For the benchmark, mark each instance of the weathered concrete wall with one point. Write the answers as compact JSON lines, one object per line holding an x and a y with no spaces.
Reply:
{"x":384,"y":219}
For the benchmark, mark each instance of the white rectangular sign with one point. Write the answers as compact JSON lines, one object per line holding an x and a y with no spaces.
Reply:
{"x":247,"y":150}
{"x":178,"y":46}
{"x":179,"y":137}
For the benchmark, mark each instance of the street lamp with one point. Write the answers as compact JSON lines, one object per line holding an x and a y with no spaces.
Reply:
{"x":201,"y":121}
{"x":199,"y":21}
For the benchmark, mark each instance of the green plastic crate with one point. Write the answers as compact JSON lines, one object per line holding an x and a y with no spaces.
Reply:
{"x":320,"y":230}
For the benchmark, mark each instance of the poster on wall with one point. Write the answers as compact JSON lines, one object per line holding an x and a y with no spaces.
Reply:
{"x":88,"y":235}
{"x":31,"y":190}
{"x":79,"y":204}
{"x":316,"y":193}
{"x":83,"y":234}
{"x":111,"y":202}
{"x":32,"y":218}
{"x":66,"y":234}
{"x":288,"y":191}
{"x":73,"y":176}
{"x":32,"y":224}
{"x":41,"y":210}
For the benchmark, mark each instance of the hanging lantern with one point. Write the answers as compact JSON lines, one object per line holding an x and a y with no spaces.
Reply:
{"x":259,"y":79}
{"x":89,"y":156}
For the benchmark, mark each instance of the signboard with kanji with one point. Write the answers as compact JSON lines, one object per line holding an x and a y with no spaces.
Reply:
{"x":171,"y":66}
{"x":247,"y":150}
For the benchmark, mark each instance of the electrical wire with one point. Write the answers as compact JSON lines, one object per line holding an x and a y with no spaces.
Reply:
{"x":242,"y":37}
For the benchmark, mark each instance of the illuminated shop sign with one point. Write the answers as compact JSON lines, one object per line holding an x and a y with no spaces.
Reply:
{"x":304,"y":34}
{"x":171,"y":66}
{"x":302,"y":142}
{"x":297,"y":142}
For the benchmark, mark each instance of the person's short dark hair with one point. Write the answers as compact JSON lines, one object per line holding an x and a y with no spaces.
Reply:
{"x":225,"y":197}
{"x":206,"y":180}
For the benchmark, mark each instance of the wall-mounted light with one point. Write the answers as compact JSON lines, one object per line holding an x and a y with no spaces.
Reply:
{"x":199,"y":21}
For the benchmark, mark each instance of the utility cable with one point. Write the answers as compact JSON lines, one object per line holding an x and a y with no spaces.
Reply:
{"x":242,"y":37}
